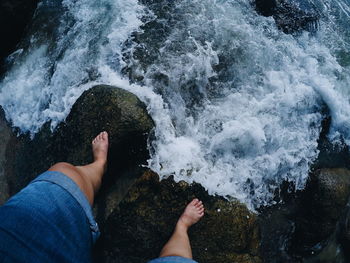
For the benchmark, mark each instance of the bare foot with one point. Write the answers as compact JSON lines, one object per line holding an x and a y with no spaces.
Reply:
{"x":193,"y":212}
{"x":100,"y":148}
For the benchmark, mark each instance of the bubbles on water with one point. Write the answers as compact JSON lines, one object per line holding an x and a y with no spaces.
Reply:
{"x":237,"y":103}
{"x":245,"y":99}
{"x":67,"y":42}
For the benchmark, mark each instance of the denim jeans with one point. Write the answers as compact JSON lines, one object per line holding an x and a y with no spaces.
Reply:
{"x":50,"y":220}
{"x":172,"y":260}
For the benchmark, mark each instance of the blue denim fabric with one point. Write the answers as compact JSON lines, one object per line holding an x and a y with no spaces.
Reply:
{"x":70,"y":186}
{"x":172,"y":260}
{"x":50,"y":220}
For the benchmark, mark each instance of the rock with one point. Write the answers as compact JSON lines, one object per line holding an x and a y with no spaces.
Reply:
{"x":145,"y":219}
{"x":5,"y":135}
{"x":343,"y":233}
{"x":331,"y":154}
{"x":277,"y":226}
{"x":305,"y":226}
{"x":321,"y":206}
{"x":15,"y":15}
{"x":291,"y":16}
{"x":100,"y":108}
{"x":112,"y":109}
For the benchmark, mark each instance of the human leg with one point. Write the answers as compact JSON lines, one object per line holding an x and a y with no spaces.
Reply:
{"x":88,"y":177}
{"x":51,"y":219}
{"x":179,"y":242}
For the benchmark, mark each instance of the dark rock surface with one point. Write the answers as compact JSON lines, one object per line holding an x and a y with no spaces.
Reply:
{"x":343,"y":233}
{"x":306,"y":226}
{"x":5,"y":135}
{"x":331,"y":155}
{"x":323,"y":202}
{"x":290,"y":15}
{"x":277,"y":224}
{"x":100,"y":108}
{"x":15,"y":16}
{"x":146,"y":217}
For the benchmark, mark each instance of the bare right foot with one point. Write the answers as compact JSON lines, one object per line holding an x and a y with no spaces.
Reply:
{"x":100,"y":149}
{"x":192,"y":214}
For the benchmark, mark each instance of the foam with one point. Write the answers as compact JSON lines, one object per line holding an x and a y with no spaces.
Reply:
{"x":45,"y":81}
{"x":241,"y":108}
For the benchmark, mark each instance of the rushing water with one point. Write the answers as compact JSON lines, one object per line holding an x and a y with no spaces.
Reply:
{"x":237,"y":103}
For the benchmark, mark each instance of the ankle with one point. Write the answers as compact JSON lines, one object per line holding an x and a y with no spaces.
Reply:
{"x":100,"y":163}
{"x":181,"y":226}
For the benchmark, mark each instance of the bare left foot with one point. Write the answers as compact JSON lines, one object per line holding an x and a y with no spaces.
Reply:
{"x":192,"y":214}
{"x":100,"y":148}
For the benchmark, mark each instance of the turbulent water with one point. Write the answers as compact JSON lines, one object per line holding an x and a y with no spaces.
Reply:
{"x":237,"y":103}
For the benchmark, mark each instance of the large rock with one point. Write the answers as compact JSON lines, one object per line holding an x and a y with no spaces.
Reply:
{"x":146,"y":217}
{"x":100,"y":108}
{"x":290,"y":15}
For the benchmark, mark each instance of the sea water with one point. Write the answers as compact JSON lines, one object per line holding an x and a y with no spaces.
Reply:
{"x":237,"y":103}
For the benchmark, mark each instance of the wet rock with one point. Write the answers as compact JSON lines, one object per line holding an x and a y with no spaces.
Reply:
{"x":306,"y":226}
{"x":100,"y":108}
{"x":277,"y":227}
{"x":321,"y":206}
{"x":146,"y":217}
{"x":5,"y":135}
{"x":343,"y":233}
{"x":331,"y":154}
{"x":15,"y":15}
{"x":291,"y":16}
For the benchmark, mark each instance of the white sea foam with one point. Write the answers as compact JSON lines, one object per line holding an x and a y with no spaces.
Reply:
{"x":238,"y":104}
{"x":53,"y":73}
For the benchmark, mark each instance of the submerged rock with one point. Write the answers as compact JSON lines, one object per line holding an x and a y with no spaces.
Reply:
{"x":145,"y":219}
{"x":290,"y":15}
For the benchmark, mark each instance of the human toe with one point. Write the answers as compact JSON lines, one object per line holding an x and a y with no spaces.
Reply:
{"x":194,"y":202}
{"x":198,"y":204}
{"x":104,"y":135}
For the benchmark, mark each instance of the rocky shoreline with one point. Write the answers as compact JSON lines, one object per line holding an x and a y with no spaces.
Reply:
{"x":137,"y":212}
{"x":135,"y":205}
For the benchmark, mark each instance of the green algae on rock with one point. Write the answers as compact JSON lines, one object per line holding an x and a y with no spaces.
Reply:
{"x":145,"y":219}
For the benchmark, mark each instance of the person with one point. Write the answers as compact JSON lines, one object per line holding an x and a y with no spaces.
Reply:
{"x":178,"y":248}
{"x":51,"y":219}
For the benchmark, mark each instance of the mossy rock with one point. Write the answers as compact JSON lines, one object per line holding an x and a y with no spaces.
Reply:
{"x":137,"y":230}
{"x":112,"y":109}
{"x":102,"y":107}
